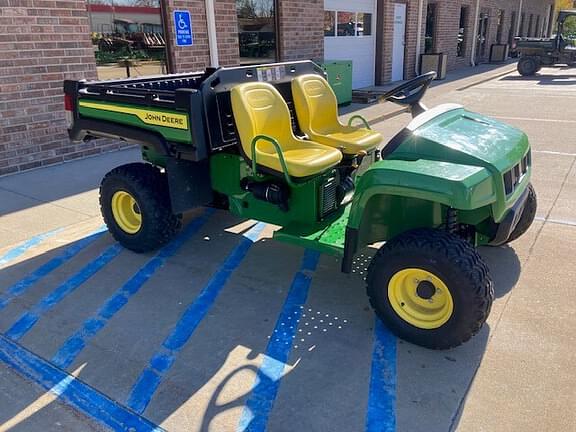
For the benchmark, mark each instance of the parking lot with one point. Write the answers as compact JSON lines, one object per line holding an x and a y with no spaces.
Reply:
{"x":227,"y":330}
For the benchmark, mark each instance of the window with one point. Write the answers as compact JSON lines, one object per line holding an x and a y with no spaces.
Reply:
{"x":530,"y":22}
{"x":522,"y":22}
{"x":347,"y":24}
{"x":500,"y":23}
{"x":461,"y":48}
{"x":364,"y":24}
{"x":256,"y":31}
{"x":329,"y":23}
{"x":128,"y":38}
{"x":538,"y":30}
{"x":430,"y":35}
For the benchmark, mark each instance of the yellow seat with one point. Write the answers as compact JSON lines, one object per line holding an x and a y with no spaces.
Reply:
{"x":317,"y":111}
{"x":259,"y":109}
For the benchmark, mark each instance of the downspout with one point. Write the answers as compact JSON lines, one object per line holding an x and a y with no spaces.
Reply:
{"x":212,"y":39}
{"x":419,"y":35}
{"x":519,"y":18}
{"x":475,"y":37}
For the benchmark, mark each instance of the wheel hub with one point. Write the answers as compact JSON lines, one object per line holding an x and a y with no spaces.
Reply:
{"x":420,"y":298}
{"x":126,"y":212}
{"x":425,"y":290}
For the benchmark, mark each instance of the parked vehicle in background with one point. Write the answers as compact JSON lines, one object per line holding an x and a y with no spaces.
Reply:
{"x":560,"y":49}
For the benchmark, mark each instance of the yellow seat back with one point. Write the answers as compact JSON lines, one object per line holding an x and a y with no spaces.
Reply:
{"x":316,"y":104}
{"x":259,"y":109}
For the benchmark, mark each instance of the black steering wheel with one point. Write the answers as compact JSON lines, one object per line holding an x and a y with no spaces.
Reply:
{"x":411,"y":93}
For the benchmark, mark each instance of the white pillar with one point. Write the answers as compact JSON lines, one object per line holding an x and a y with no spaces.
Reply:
{"x":475,"y":36}
{"x":419,"y":35}
{"x":212,"y":39}
{"x":519,"y":18}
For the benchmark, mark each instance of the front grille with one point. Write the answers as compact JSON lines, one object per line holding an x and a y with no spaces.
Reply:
{"x":513,"y":176}
{"x":328,"y":201}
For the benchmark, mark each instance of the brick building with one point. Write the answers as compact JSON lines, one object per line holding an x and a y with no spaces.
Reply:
{"x":43,"y":42}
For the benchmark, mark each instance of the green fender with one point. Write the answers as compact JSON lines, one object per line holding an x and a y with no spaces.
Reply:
{"x":394,"y":196}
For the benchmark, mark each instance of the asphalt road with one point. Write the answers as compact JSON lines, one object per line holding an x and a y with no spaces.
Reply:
{"x":226,"y":330}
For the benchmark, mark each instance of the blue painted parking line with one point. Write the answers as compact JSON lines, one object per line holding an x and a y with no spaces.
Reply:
{"x":162,"y":361}
{"x":76,"y":343}
{"x":14,"y":253}
{"x":381,"y":413}
{"x":44,"y":270}
{"x":71,"y":390}
{"x":29,"y":319}
{"x":257,"y":410}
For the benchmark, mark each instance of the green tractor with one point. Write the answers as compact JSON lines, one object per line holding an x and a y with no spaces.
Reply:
{"x":265,"y":143}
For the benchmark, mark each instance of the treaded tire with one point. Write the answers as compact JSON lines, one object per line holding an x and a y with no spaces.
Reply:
{"x":527,"y":66}
{"x":527,"y":217}
{"x":149,"y":187}
{"x":456,"y":263}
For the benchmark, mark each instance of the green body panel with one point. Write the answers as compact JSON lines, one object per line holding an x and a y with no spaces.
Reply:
{"x":327,"y":237}
{"x":227,"y":170}
{"x":170,"y":134}
{"x":455,"y":160}
{"x":155,"y":158}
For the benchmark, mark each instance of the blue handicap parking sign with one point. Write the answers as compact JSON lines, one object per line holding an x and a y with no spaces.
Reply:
{"x":183,"y":28}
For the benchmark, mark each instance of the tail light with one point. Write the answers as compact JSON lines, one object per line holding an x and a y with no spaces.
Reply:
{"x":69,"y":107}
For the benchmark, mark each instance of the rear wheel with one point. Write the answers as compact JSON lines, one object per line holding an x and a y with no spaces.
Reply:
{"x":135,"y":204}
{"x":528,"y":66}
{"x":430,"y":288}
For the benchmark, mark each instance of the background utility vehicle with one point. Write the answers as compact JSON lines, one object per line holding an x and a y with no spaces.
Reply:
{"x":537,"y":52}
{"x":265,"y":143}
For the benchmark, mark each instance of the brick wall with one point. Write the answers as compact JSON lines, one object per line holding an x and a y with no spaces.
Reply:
{"x":197,"y":56}
{"x":301,"y":32}
{"x":42,"y":42}
{"x":448,"y":21}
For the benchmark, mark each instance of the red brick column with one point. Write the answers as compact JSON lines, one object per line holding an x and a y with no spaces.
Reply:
{"x":301,"y":32}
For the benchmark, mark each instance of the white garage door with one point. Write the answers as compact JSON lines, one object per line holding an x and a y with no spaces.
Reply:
{"x":349,"y":34}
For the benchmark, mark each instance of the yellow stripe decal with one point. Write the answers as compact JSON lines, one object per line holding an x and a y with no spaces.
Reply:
{"x":156,"y":118}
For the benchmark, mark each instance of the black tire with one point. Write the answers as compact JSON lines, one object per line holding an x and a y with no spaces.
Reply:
{"x":527,"y":66}
{"x":149,"y":188}
{"x":452,"y":260}
{"x":528,"y":215}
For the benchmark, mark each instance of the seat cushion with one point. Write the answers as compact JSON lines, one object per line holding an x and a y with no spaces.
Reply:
{"x":303,"y":160}
{"x":350,"y":140}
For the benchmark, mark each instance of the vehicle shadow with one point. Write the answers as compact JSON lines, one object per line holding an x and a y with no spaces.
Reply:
{"x":542,"y":79}
{"x":326,"y":378}
{"x":505,"y":268}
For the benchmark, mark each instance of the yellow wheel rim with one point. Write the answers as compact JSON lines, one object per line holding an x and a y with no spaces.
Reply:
{"x":126,"y":212}
{"x":420,"y":298}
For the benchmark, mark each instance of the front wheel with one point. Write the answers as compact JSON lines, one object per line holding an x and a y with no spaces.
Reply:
{"x":135,"y":204}
{"x":528,"y":66}
{"x":431,"y":288}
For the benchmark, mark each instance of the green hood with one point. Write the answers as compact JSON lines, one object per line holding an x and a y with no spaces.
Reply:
{"x":450,"y":133}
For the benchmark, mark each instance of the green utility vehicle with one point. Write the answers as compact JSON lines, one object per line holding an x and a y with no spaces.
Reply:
{"x":538,"y":52}
{"x":265,"y":143}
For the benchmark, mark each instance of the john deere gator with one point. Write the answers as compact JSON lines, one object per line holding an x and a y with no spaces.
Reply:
{"x":266,"y":143}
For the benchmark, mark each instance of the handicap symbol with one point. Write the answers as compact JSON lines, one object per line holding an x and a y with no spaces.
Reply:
{"x":182,"y":23}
